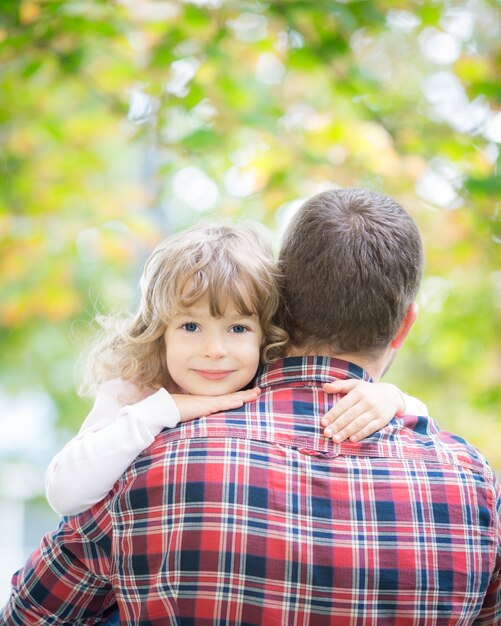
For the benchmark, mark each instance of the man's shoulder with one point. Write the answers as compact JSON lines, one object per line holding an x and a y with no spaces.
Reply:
{"x":422,"y":435}
{"x":231,"y":424}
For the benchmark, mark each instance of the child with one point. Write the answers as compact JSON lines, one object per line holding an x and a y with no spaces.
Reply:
{"x":205,"y":321}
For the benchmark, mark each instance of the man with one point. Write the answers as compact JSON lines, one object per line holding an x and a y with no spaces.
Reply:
{"x":254,"y":517}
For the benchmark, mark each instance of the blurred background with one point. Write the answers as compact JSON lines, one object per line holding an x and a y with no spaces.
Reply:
{"x":123,"y":121}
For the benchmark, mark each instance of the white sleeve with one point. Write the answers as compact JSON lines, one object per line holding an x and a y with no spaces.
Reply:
{"x":86,"y":469}
{"x":413,"y":406}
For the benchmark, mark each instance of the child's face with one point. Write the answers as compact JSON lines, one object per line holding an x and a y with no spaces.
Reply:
{"x":212,"y":355}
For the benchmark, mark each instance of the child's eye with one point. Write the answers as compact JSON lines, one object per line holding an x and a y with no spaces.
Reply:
{"x":238,"y":328}
{"x":190,"y":327}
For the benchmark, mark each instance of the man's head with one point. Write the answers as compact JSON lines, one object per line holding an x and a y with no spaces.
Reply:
{"x":352,"y":262}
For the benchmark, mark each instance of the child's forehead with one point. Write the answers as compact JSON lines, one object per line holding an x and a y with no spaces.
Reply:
{"x":202,"y":308}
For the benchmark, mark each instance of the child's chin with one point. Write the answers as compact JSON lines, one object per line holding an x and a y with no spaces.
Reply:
{"x":212,"y":390}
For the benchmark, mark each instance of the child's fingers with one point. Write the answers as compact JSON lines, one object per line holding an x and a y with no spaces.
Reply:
{"x":365,"y":422}
{"x":365,"y":408}
{"x":341,"y":386}
{"x":225,"y":404}
{"x":232,"y":400}
{"x":249,"y":394}
{"x":241,"y":397}
{"x":343,"y":407}
{"x":349,"y":417}
{"x":368,"y":429}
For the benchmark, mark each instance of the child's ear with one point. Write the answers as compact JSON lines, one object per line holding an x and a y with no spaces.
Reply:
{"x":405,"y":327}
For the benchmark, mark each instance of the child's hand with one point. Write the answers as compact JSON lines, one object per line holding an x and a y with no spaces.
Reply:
{"x":191,"y":407}
{"x":366,"y":408}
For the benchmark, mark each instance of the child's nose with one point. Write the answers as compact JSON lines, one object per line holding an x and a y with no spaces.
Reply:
{"x":215,"y":347}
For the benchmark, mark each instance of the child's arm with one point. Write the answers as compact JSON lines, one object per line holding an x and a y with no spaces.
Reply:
{"x":113,"y":435}
{"x":366,"y":408}
{"x":110,"y":438}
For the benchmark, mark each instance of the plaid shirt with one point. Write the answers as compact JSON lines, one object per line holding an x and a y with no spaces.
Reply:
{"x":253,"y":517}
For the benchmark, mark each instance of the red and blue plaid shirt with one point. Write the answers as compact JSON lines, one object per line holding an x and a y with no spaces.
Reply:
{"x":254,"y":517}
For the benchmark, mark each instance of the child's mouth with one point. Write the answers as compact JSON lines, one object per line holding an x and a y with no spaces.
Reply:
{"x":213,"y":374}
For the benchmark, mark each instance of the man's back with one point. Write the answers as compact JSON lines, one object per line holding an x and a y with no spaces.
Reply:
{"x":255,"y":518}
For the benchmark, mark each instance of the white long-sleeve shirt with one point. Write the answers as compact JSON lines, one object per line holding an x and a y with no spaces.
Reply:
{"x":110,"y":438}
{"x":413,"y":406}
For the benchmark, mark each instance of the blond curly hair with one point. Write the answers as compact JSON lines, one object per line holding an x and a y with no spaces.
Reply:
{"x":223,"y":263}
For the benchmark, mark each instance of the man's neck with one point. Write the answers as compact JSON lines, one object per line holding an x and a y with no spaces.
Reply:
{"x":374,"y":365}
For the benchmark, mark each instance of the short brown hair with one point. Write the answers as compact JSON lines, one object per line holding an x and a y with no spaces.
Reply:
{"x":351,"y":262}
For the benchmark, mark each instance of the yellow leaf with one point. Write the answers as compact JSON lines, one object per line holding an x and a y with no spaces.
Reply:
{"x":29,"y":12}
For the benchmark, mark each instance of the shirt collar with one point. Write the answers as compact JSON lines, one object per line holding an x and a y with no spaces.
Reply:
{"x":320,"y":369}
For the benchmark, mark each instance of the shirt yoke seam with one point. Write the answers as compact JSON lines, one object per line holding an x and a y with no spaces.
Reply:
{"x":462,"y":463}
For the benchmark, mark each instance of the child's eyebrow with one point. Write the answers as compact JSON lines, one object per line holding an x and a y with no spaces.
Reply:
{"x":243,"y":316}
{"x":182,"y":314}
{"x":196,"y":312}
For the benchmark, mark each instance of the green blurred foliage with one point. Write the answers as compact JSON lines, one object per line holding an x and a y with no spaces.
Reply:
{"x":104,"y":104}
